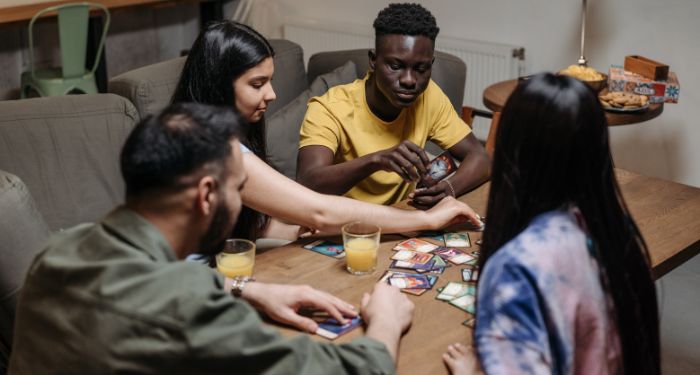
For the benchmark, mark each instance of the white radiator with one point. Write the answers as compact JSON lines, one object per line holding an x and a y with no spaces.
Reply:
{"x":487,"y":63}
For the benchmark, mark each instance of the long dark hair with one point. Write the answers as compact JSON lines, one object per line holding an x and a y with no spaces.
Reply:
{"x":552,"y":150}
{"x":221,"y":53}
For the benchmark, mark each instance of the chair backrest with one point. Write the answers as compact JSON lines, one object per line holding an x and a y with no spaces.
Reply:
{"x":66,"y":150}
{"x":449,"y":71}
{"x":151,"y":87}
{"x":23,"y":232}
{"x":72,"y":33}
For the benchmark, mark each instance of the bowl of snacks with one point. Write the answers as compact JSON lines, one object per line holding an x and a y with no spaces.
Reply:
{"x":597,"y":80}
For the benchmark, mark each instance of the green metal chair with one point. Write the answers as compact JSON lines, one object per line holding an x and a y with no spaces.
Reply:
{"x":72,"y":76}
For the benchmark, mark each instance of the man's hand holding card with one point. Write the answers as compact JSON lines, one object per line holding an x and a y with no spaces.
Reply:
{"x":433,"y":185}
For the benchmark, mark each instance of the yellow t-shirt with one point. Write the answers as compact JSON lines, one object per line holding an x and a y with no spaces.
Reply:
{"x":342,"y":121}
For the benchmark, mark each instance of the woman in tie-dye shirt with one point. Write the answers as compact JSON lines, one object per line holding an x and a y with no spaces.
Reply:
{"x":566,"y":286}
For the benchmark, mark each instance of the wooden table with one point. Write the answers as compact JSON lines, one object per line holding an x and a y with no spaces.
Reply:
{"x":496,"y":95}
{"x":667,"y":213}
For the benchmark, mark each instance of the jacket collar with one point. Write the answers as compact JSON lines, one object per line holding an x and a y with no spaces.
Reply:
{"x":140,"y":233}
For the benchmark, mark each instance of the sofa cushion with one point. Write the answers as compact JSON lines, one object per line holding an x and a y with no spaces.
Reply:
{"x":283,"y":127}
{"x":66,"y":150}
{"x":23,"y":232}
{"x":151,"y":87}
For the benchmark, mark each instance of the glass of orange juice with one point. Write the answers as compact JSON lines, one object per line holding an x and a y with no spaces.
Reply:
{"x":237,"y":258}
{"x":361,"y":241}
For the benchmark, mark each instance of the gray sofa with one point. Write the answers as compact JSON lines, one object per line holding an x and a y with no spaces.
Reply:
{"x":59,"y":156}
{"x":151,"y":87}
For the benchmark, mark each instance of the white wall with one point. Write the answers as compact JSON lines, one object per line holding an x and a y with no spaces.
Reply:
{"x":667,"y":147}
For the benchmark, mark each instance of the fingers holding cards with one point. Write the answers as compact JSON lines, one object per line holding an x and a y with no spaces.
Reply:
{"x":406,"y":159}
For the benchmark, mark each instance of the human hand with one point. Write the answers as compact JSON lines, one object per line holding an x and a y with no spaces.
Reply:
{"x":386,"y":307}
{"x":428,"y":197}
{"x":461,"y":360}
{"x":406,"y":159}
{"x":451,"y":211}
{"x":283,"y":302}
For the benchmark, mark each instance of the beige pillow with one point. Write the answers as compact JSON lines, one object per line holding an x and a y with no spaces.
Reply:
{"x":283,"y":126}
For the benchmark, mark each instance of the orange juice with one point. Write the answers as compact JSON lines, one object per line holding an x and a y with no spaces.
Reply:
{"x":361,"y":254}
{"x":233,"y":265}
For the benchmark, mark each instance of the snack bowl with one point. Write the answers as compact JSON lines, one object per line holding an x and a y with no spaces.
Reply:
{"x":598,"y":85}
{"x":595,"y":79}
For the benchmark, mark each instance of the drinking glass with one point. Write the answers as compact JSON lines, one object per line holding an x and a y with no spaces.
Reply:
{"x":237,"y":258}
{"x":361,"y":241}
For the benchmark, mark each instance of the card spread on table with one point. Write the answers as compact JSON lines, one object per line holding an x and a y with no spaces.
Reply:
{"x":412,"y":256}
{"x":326,"y":248}
{"x":331,"y":329}
{"x":454,"y":255}
{"x":457,"y":239}
{"x":416,"y":244}
{"x":454,"y":290}
{"x":391,"y":274}
{"x":410,"y":282}
{"x":467,"y":274}
{"x":465,"y":303}
{"x":412,"y":266}
{"x":433,"y":235}
{"x":442,"y":166}
{"x":470,"y":323}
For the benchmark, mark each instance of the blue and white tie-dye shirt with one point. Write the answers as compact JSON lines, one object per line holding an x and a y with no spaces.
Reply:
{"x":541,"y":307}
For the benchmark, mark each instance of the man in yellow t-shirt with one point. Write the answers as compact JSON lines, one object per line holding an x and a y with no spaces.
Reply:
{"x":365,"y":139}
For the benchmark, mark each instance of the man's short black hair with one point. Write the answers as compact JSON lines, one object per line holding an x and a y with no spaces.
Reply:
{"x":406,"y":19}
{"x":177,"y":142}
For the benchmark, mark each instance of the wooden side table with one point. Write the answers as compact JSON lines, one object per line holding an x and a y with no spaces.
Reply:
{"x":495,"y":97}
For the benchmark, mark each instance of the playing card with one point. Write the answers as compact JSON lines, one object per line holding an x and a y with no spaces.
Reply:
{"x":410,"y":282}
{"x":412,"y":266}
{"x":415,"y":292}
{"x":467,"y":274}
{"x":412,"y":256}
{"x":457,"y":239}
{"x":454,"y":255}
{"x":331,"y":329}
{"x":455,"y":290}
{"x":470,"y":323}
{"x":465,"y":303}
{"x":433,"y":235}
{"x":416,"y":244}
{"x":326,"y":248}
{"x":442,"y":166}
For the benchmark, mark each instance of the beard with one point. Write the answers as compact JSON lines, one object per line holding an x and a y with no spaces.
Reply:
{"x":221,"y":225}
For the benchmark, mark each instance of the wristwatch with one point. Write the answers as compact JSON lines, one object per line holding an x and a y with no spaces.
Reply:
{"x":238,"y":283}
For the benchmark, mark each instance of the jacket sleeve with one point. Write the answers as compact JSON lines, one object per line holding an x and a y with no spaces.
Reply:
{"x":225,"y":335}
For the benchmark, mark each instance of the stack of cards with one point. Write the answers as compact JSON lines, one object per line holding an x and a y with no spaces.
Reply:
{"x":455,"y":255}
{"x":459,"y":295}
{"x":411,"y":283}
{"x":331,"y":329}
{"x":327,"y":248}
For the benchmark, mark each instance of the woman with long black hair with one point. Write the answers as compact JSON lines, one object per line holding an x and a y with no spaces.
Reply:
{"x":566,"y":285}
{"x":230,"y":64}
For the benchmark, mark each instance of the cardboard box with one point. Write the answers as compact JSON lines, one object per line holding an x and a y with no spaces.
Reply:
{"x":622,"y":80}
{"x":673,"y":88}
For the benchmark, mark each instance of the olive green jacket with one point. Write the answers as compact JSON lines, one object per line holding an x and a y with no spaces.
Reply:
{"x":112,"y":298}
